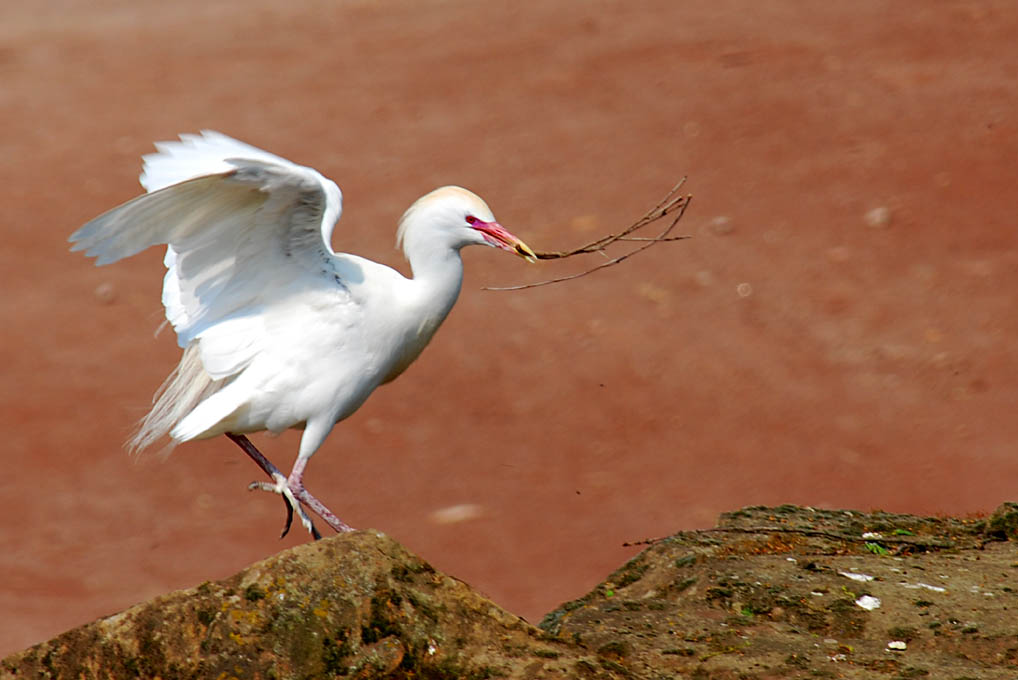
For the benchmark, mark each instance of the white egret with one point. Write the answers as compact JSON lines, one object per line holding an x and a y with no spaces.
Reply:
{"x":279,"y":330}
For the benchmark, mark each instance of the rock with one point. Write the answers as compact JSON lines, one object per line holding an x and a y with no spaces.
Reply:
{"x":1002,"y":525}
{"x":356,"y":605}
{"x":752,"y":598}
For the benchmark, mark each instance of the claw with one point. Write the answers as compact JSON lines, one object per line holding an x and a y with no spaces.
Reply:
{"x":282,"y":488}
{"x":289,"y":518}
{"x":289,"y":521}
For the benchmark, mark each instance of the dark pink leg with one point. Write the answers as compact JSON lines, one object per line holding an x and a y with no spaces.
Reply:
{"x":296,"y":483}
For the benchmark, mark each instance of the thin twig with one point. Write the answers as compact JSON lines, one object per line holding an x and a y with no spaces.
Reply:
{"x":673,"y":203}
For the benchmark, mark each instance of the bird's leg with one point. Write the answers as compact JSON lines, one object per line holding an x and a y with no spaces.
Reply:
{"x":281,"y":485}
{"x":296,"y":484}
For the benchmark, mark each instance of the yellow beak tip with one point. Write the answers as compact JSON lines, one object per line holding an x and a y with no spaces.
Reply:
{"x":524,"y":251}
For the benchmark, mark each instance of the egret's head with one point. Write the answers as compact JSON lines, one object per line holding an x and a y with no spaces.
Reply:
{"x":456,"y":217}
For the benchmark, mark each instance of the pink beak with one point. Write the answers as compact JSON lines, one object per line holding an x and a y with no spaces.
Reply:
{"x":498,"y":236}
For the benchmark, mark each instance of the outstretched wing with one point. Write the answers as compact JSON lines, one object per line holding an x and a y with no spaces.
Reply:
{"x":244,"y":227}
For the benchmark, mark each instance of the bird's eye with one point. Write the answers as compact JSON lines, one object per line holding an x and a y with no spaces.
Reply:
{"x":471,"y":220}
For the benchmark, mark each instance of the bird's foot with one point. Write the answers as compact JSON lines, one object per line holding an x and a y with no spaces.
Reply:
{"x":291,"y":489}
{"x":282,"y":487}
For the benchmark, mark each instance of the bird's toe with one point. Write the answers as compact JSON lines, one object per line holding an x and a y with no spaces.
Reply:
{"x":282,"y":487}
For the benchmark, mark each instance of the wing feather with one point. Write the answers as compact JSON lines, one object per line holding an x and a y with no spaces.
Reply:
{"x":243,"y":229}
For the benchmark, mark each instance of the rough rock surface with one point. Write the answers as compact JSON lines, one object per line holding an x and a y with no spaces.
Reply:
{"x":357,"y":605}
{"x":782,"y":592}
{"x":779,"y":593}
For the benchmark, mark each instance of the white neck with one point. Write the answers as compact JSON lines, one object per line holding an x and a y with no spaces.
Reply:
{"x":437,"y":276}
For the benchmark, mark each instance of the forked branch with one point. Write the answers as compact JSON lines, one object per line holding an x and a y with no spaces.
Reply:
{"x":673,"y":204}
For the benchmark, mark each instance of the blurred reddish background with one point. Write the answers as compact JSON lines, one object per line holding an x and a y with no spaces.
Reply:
{"x":838,"y":333}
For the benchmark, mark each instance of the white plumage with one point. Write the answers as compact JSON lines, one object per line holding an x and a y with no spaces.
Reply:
{"x":279,"y":330}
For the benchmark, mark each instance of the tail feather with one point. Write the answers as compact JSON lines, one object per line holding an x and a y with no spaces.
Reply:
{"x":180,"y":394}
{"x":212,"y":416}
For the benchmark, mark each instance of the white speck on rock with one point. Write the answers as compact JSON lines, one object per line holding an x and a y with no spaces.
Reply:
{"x":868,"y":602}
{"x":861,"y":578}
{"x":897,"y":645}
{"x":927,"y":586}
